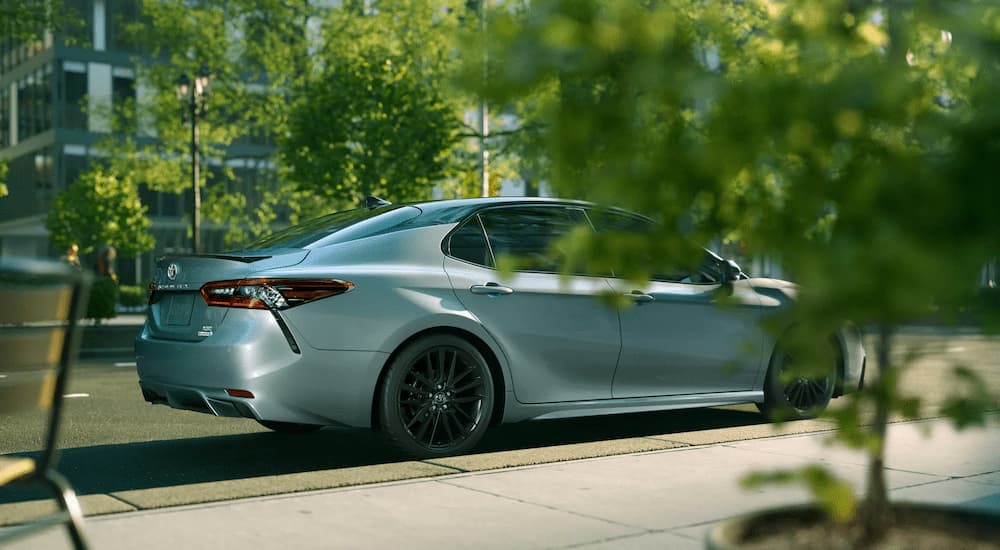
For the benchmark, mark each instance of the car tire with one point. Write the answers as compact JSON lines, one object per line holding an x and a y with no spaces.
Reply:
{"x":798,"y":398}
{"x":289,"y":427}
{"x":437,"y":397}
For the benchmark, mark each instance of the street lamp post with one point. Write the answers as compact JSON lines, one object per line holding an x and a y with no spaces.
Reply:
{"x":484,"y":120}
{"x":194,"y":98}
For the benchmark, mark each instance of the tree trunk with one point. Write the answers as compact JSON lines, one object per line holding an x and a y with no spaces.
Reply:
{"x":875,"y":515}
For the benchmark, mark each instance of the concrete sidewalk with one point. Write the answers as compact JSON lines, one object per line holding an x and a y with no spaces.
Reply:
{"x":660,"y":499}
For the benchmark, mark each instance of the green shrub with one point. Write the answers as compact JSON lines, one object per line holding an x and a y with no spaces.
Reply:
{"x":132,"y":296}
{"x":103,"y":297}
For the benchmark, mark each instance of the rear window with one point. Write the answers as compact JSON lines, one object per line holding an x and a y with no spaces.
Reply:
{"x":363,"y":222}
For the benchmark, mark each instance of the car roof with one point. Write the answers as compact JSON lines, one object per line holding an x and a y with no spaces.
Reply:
{"x":453,"y":210}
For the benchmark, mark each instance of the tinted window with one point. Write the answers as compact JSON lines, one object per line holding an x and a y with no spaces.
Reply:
{"x":632,"y":226}
{"x":527,"y":233}
{"x":469,"y":244}
{"x":613,"y":220}
{"x":307,"y":233}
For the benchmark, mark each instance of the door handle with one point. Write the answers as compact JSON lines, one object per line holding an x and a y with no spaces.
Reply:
{"x":491,"y":289}
{"x":640,"y":297}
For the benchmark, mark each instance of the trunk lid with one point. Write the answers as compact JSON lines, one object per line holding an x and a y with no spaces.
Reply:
{"x":178,"y":311}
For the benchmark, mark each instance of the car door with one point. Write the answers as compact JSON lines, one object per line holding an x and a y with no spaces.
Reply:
{"x":686,"y":332}
{"x":561,"y":341}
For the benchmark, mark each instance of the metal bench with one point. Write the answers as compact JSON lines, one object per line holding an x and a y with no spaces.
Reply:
{"x":40,"y":303}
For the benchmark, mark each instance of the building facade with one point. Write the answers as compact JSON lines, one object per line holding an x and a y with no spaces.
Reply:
{"x":55,"y":96}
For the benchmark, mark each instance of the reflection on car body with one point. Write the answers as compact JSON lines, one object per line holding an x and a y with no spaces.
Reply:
{"x":395,"y":317}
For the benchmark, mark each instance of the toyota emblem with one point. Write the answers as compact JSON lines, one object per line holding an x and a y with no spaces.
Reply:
{"x":172,"y":271}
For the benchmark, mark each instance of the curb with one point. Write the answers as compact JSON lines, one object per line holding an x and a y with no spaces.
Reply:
{"x":108,"y":341}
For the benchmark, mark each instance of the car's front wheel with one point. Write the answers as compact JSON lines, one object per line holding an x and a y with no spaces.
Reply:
{"x":795,"y":391}
{"x":437,"y":397}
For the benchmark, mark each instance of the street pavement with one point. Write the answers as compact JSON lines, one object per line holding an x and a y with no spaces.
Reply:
{"x":666,"y":498}
{"x":154,"y":477}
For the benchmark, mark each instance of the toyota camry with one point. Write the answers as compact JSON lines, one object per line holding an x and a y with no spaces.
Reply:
{"x":395,"y":317}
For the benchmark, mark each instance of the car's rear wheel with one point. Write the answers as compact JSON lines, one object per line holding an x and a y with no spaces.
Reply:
{"x":793,"y":391}
{"x":289,"y":427}
{"x":437,"y":397}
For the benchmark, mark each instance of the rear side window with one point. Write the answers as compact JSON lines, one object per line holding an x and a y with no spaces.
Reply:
{"x":469,"y":243}
{"x":526,"y":233}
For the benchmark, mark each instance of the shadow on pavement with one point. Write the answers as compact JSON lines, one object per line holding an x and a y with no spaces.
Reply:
{"x":122,"y":467}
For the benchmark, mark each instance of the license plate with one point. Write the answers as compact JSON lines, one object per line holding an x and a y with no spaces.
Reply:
{"x":179,"y":308}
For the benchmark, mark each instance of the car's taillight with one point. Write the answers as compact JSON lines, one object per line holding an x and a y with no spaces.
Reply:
{"x":271,"y":293}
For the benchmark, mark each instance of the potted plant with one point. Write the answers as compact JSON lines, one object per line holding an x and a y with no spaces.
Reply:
{"x":855,"y":141}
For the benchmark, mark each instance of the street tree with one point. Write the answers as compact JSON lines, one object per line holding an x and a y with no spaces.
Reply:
{"x":377,"y":115}
{"x":857,"y":141}
{"x":258,"y":53}
{"x":26,"y":20}
{"x":97,"y":210}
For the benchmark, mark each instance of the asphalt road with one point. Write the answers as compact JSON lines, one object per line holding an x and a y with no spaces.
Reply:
{"x":122,"y":454}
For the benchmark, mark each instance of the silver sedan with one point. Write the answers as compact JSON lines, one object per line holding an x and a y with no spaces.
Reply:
{"x":395,"y":317}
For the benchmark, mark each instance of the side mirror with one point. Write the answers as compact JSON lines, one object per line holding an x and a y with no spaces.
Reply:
{"x":730,"y":271}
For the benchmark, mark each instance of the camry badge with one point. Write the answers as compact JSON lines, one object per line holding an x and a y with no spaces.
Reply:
{"x":172,"y":271}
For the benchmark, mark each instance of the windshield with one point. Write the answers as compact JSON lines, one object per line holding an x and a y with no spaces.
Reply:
{"x":309,"y":232}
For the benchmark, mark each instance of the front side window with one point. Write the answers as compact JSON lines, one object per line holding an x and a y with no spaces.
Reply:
{"x":526,"y":234}
{"x":632,"y":230}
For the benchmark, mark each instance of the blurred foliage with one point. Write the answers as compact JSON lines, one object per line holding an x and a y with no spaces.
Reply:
{"x":100,"y":209}
{"x":783,"y":142}
{"x":857,"y":141}
{"x":132,"y":296}
{"x":3,"y":178}
{"x":26,"y":20}
{"x":102,"y":300}
{"x":833,"y":494}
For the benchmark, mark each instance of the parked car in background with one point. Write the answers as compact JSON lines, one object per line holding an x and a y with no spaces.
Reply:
{"x":395,"y":317}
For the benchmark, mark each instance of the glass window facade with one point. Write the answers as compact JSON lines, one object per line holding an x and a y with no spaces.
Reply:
{"x":5,"y":117}
{"x":72,"y":91}
{"x":73,"y":166}
{"x":118,"y":15}
{"x":15,"y":50}
{"x":122,"y":96}
{"x":78,"y":29}
{"x":34,"y":103}
{"x":30,"y":185}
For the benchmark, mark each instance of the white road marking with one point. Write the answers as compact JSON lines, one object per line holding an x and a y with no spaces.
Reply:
{"x":956,"y":349}
{"x":73,"y":395}
{"x":126,"y":364}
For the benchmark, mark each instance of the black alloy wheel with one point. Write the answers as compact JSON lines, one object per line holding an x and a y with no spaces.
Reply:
{"x":805,"y":393}
{"x":790,"y":394}
{"x":437,"y":398}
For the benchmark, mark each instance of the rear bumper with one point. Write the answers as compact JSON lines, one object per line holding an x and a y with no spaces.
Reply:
{"x":250,"y":353}
{"x":210,"y":401}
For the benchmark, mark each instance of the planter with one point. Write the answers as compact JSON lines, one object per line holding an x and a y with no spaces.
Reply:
{"x":916,"y":526}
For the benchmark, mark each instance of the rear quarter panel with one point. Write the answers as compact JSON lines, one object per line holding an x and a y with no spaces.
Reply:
{"x":400,"y":290}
